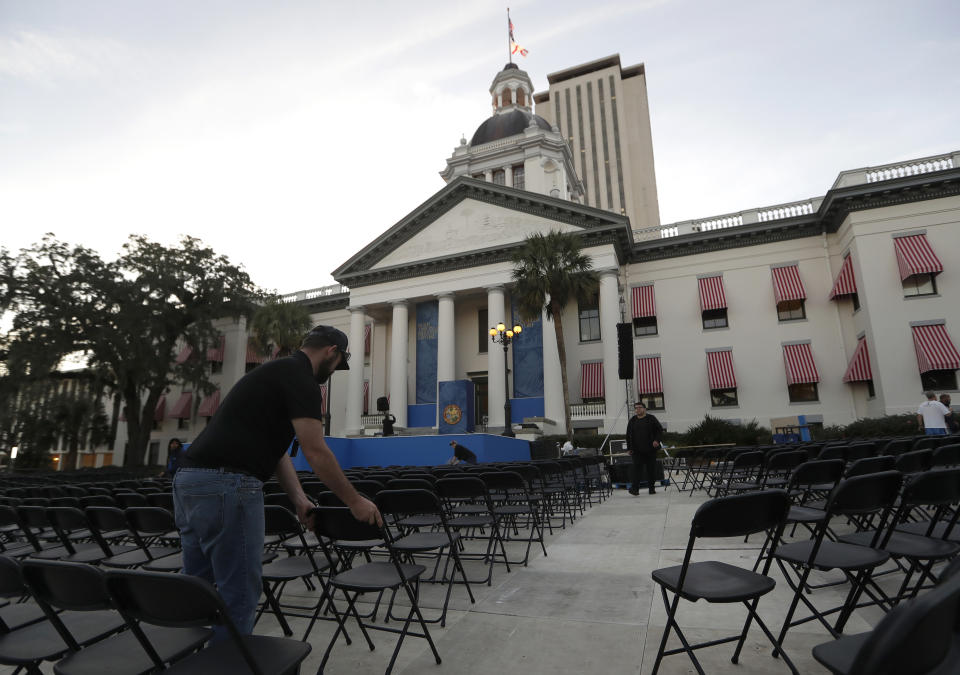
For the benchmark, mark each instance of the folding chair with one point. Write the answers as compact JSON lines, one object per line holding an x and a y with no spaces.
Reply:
{"x":745,"y":474}
{"x":336,"y":523}
{"x":400,"y":506}
{"x":156,"y":525}
{"x":181,"y":600}
{"x":78,"y":587}
{"x":873,"y":494}
{"x":110,"y":525}
{"x":915,"y":638}
{"x":472,"y":491}
{"x":718,"y":582}
{"x":28,"y":646}
{"x":280,"y":522}
{"x":512,"y":501}
{"x":66,"y":522}
{"x":946,"y":456}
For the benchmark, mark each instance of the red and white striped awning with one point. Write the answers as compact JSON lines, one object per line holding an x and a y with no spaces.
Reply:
{"x":366,"y":396}
{"x":324,"y":392}
{"x":858,"y":369}
{"x":215,"y":353}
{"x":916,"y":256}
{"x":367,"y":330}
{"x":720,"y":370}
{"x":160,"y":409}
{"x":711,"y":293}
{"x":591,"y":380}
{"x":798,"y":361}
{"x":787,"y":284}
{"x":209,"y":404}
{"x":935,"y":350}
{"x":184,"y":354}
{"x":253,"y":355}
{"x":644,"y":303}
{"x":181,"y":409}
{"x":648,"y":375}
{"x":845,"y":283}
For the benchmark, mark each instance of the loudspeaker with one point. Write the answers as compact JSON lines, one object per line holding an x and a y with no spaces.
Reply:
{"x":383,"y":404}
{"x":625,"y":351}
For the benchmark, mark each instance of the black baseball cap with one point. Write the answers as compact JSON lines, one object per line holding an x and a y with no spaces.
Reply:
{"x":322,"y":336}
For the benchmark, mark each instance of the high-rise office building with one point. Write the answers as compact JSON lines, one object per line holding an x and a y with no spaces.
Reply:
{"x":601,"y":110}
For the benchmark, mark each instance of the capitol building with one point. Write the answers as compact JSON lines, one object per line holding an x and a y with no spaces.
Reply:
{"x":816,"y":312}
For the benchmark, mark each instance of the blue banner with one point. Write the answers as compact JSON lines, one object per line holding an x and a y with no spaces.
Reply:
{"x":427,"y":313}
{"x":455,"y":407}
{"x":528,"y":358}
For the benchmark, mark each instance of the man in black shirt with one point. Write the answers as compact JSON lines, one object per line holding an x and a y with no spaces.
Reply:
{"x":218,"y":491}
{"x":643,"y":439}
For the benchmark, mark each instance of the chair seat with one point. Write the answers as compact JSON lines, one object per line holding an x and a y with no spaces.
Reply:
{"x":470,"y":521}
{"x":285,"y":569}
{"x":41,"y":640}
{"x":138,"y":557}
{"x":938,"y":530}
{"x":838,"y":655}
{"x":423,"y":541}
{"x":513,"y":510}
{"x":833,"y":555}
{"x":715,"y":582}
{"x":375,"y":576}
{"x":902,"y":544}
{"x":272,"y":655}
{"x":470,"y":508}
{"x":427,"y":520}
{"x":805,"y":514}
{"x":21,"y":614}
{"x":358,"y":545}
{"x":170,"y":563}
{"x":743,"y":486}
{"x":123,"y":654}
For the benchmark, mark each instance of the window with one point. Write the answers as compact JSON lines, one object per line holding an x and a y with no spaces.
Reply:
{"x":856,"y":301}
{"x":479,"y":176}
{"x":939,"y":379}
{"x":645,"y":326}
{"x":499,"y":177}
{"x":216,"y":367}
{"x":483,"y":329}
{"x":723,"y":398}
{"x":652,"y":401}
{"x":803,"y":392}
{"x":791,"y":310}
{"x":250,"y":366}
{"x":183,"y":423}
{"x":590,"y":319}
{"x":715,"y":318}
{"x":153,"y":453}
{"x":871,"y":392}
{"x":919,"y":284}
{"x":519,"y":179}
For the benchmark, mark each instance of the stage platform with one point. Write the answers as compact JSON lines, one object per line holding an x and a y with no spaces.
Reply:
{"x":419,"y":450}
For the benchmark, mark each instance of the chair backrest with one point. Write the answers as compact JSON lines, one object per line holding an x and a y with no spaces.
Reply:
{"x":746,"y":460}
{"x":865,"y":494}
{"x":407,"y":502}
{"x":97,"y":500}
{"x":817,"y":472}
{"x":72,"y":586}
{"x":162,"y":499}
{"x":786,"y":461}
{"x":509,"y":479}
{"x":127,"y":499}
{"x":926,"y":442}
{"x":946,"y":455}
{"x":740,"y":515}
{"x":337,"y":523}
{"x":833,"y":452}
{"x":860,"y":450}
{"x":410,"y":484}
{"x":914,"y":461}
{"x":11,"y":583}
{"x":915,"y":637}
{"x":468,"y":487}
{"x":281,"y":499}
{"x":150,"y":520}
{"x":897,"y":446}
{"x":278,"y":520}
{"x":933,"y":488}
{"x":861,"y":467}
{"x":367,"y":487}
{"x":164,"y":599}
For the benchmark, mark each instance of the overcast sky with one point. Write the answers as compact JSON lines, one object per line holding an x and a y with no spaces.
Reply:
{"x":288,"y":134}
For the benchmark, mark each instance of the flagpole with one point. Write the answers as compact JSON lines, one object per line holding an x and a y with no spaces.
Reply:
{"x":509,"y":46}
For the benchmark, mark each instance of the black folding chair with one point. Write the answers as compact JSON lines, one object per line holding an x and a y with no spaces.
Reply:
{"x":918,"y":637}
{"x":78,"y":587}
{"x":336,"y":523}
{"x":718,"y":582}
{"x":512,"y":502}
{"x":477,"y":523}
{"x":182,"y":600}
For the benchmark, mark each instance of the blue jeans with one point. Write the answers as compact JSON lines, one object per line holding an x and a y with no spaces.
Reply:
{"x":221,"y":523}
{"x":935,"y":432}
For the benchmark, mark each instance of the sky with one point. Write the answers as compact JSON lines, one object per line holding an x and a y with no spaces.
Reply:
{"x":289,"y":134}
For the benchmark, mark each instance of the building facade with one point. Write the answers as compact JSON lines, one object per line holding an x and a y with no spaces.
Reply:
{"x":820,"y":311}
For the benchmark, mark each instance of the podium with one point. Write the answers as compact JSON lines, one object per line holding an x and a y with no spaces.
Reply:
{"x":455,"y":403}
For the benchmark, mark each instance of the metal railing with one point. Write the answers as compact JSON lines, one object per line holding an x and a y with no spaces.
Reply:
{"x":588,"y":411}
{"x":314,"y":293}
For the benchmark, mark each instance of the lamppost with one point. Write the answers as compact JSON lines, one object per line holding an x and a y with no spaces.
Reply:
{"x":502,"y":335}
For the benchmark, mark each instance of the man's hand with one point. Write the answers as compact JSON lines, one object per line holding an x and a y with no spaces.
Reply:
{"x":304,"y":507}
{"x":366,"y":512}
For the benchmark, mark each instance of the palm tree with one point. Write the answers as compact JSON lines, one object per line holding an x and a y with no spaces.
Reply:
{"x":281,"y":325}
{"x":549,"y":271}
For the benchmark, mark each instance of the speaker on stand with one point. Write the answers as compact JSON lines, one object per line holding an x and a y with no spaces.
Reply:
{"x":625,"y":351}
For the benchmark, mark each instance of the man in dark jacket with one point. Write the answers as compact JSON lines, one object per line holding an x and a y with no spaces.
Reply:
{"x":643,"y":440}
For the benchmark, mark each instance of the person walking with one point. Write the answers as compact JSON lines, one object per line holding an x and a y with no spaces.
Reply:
{"x":932,"y":416}
{"x":174,"y":450}
{"x":218,"y":491}
{"x":643,"y":439}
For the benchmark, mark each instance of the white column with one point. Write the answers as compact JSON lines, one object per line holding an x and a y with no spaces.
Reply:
{"x":552,"y":382}
{"x":614,"y":391}
{"x":446,"y":341}
{"x":398,"y":363}
{"x":508,"y":176}
{"x":488,"y":175}
{"x":353,"y":425}
{"x":495,"y":360}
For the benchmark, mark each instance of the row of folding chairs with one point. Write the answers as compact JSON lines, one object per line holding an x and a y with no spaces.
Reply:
{"x":890,"y":515}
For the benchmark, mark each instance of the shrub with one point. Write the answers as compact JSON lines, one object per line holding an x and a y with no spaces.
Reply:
{"x":713,"y":430}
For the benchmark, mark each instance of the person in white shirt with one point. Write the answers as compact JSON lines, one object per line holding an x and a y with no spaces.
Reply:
{"x":932,"y":415}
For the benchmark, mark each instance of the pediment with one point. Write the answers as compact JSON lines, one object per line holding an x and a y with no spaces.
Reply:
{"x":470,"y":226}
